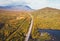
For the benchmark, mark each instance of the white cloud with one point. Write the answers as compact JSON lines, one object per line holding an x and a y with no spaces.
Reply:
{"x":54,"y":4}
{"x":35,"y":4}
{"x":5,"y":2}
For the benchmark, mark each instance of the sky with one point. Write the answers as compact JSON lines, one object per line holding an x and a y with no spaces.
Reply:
{"x":34,"y":4}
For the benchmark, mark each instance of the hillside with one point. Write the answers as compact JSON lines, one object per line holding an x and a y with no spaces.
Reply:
{"x":48,"y":18}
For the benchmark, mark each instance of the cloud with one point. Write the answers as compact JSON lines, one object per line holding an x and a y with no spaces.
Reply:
{"x":35,"y":4}
{"x":11,"y":2}
{"x":5,"y":2}
{"x":54,"y":4}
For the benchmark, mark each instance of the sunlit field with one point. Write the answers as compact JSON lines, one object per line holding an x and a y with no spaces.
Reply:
{"x":14,"y":25}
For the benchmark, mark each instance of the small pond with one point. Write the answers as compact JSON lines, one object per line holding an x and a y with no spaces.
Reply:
{"x":54,"y":33}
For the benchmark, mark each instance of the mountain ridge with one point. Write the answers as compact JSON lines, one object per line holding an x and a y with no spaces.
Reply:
{"x":46,"y":9}
{"x":16,"y":7}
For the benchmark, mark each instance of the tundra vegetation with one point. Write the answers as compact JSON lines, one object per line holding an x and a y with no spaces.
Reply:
{"x":14,"y":25}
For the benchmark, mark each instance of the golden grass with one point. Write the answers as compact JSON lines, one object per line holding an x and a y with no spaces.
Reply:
{"x":45,"y":19}
{"x":15,"y":26}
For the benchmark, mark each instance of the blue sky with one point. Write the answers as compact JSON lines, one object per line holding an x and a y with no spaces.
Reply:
{"x":34,"y":4}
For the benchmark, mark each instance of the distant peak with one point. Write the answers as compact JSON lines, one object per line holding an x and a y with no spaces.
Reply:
{"x":46,"y":9}
{"x":16,"y":7}
{"x":50,"y":8}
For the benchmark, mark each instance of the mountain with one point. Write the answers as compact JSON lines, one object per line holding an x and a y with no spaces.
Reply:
{"x":46,"y":9}
{"x":47,"y":18}
{"x":16,"y":7}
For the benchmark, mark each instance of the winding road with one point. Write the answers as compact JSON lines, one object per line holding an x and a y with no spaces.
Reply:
{"x":30,"y":29}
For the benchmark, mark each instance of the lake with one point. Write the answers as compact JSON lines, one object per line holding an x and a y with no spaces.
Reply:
{"x":54,"y":33}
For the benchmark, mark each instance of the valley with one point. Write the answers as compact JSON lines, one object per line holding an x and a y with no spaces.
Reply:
{"x":37,"y":25}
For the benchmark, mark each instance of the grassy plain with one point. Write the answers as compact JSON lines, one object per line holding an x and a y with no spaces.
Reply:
{"x":14,"y":25}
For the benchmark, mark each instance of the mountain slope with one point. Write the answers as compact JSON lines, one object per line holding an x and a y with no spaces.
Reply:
{"x":47,"y":18}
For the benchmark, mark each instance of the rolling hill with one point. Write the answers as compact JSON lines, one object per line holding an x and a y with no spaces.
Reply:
{"x":48,"y":18}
